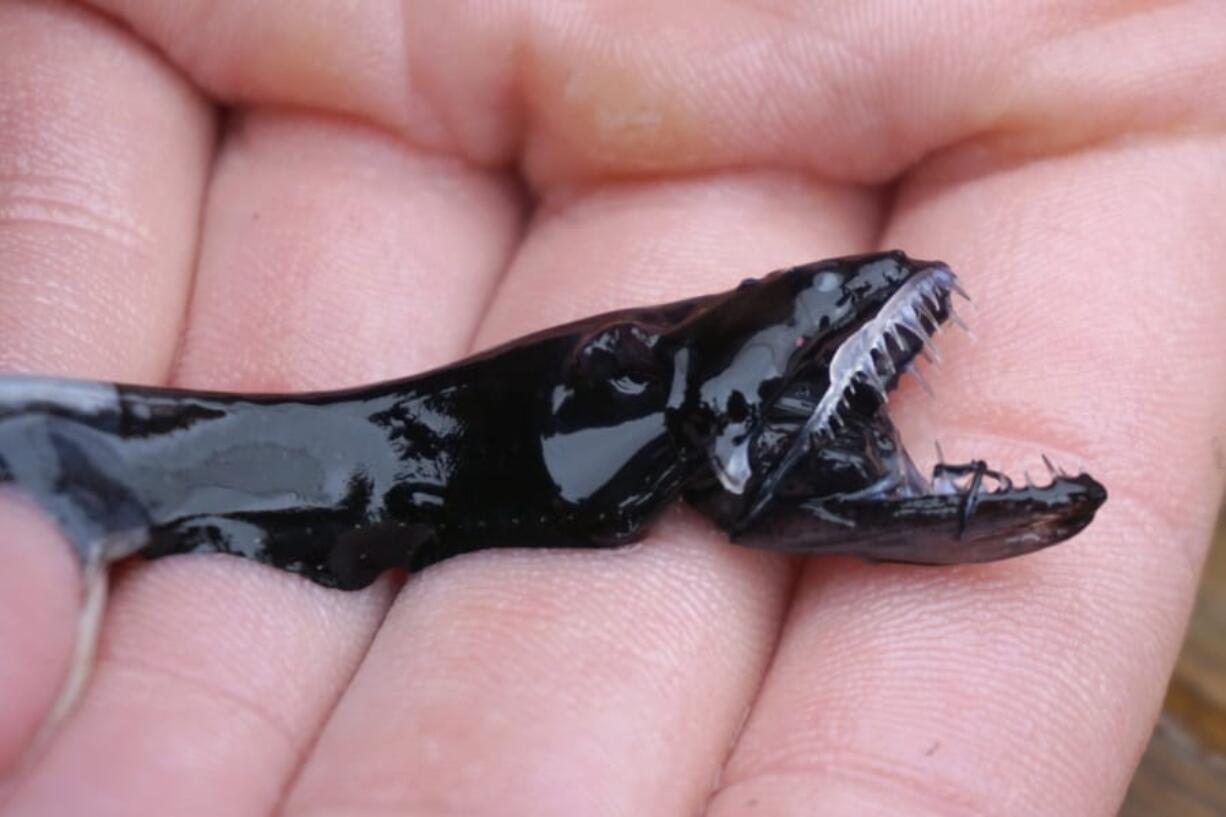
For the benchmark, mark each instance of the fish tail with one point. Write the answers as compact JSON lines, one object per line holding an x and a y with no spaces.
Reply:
{"x":59,"y":442}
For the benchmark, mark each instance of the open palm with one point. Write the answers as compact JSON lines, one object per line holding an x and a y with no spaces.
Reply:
{"x":297,"y":195}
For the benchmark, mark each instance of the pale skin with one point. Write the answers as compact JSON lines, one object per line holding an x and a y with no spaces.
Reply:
{"x":287,"y":195}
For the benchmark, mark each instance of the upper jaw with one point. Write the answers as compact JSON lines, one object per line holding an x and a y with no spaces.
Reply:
{"x":871,"y":358}
{"x":865,"y":341}
{"x":885,"y":346}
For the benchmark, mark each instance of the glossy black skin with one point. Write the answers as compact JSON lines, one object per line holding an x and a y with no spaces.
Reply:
{"x":577,"y":436}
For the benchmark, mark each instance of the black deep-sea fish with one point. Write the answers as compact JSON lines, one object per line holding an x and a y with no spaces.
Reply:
{"x":763,"y":407}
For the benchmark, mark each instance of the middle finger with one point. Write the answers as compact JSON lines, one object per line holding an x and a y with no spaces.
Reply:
{"x":593,"y":682}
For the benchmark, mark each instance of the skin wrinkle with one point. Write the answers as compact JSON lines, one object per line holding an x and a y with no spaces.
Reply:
{"x":910,"y":789}
{"x":528,"y":207}
{"x":1032,"y":122}
{"x":129,"y":666}
{"x":790,"y":196}
{"x":79,"y":182}
{"x":254,"y":79}
{"x":911,"y":639}
{"x":321,"y":612}
{"x":306,"y":747}
{"x":787,"y":601}
{"x":59,"y":208}
{"x":532,"y":34}
{"x":241,"y":719}
{"x":1023,"y":124}
{"x":985,"y":154}
{"x":830,"y":760}
{"x":220,"y":125}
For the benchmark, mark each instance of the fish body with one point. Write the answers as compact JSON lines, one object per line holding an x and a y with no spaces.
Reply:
{"x":764,"y":407}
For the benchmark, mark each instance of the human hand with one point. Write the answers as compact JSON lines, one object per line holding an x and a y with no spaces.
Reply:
{"x":353,"y":214}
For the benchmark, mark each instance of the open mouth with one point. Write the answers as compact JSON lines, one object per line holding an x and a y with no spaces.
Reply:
{"x":964,"y":512}
{"x":885,"y":347}
{"x":867,"y":366}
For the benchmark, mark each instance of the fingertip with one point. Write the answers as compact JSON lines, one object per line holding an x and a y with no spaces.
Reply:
{"x":39,"y":596}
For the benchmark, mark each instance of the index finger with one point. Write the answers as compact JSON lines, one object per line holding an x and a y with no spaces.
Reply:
{"x":1027,"y":686}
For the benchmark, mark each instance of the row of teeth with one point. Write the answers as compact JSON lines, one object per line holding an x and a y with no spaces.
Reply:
{"x":857,"y":359}
{"x":960,"y":485}
{"x":865,"y":357}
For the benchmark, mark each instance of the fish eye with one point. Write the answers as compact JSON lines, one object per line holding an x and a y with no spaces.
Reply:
{"x":619,"y":360}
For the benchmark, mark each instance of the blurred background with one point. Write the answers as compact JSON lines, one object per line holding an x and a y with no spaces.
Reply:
{"x":1183,"y":773}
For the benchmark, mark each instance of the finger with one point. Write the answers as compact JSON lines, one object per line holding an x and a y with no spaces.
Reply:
{"x":851,"y":92}
{"x":332,"y":255}
{"x":391,"y":264}
{"x":103,"y":154}
{"x":395,"y":66}
{"x":1027,"y":686}
{"x":37,"y":610}
{"x":595,"y":682}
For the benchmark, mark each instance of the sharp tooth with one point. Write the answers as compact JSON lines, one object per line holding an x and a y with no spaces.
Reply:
{"x":918,"y":332}
{"x":878,"y":348}
{"x":914,"y":371}
{"x":887,"y":363}
{"x":1051,"y":469}
{"x":956,"y":287}
{"x":1029,"y":481}
{"x":932,"y":353}
{"x":895,"y":334}
{"x":961,"y":324}
{"x":921,"y":314}
{"x":870,"y":376}
{"x":940,"y":453}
